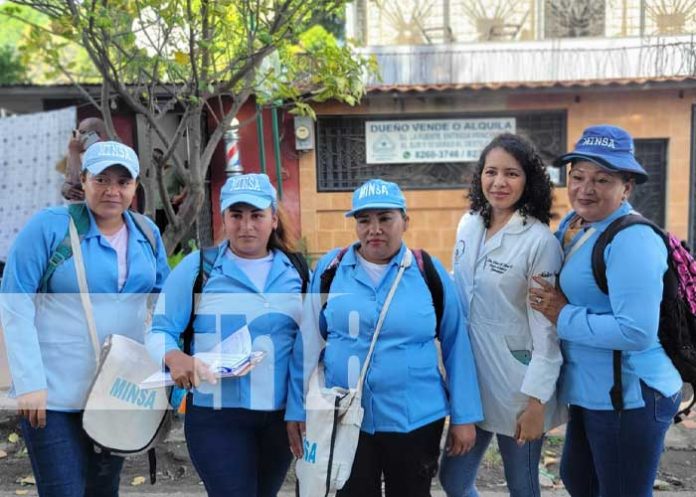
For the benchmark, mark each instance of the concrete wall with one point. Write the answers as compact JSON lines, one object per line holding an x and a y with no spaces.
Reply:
{"x":645,"y":113}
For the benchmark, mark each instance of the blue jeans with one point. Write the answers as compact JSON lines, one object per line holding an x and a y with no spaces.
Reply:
{"x":238,"y":452}
{"x":521,"y":463}
{"x":616,"y":454}
{"x":64,"y":462}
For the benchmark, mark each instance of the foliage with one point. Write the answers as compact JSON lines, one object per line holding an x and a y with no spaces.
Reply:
{"x":25,"y":29}
{"x":174,"y":259}
{"x":12,"y":70}
{"x":199,"y":58}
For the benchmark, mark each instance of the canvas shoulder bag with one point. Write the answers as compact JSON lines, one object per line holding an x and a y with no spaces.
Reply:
{"x":333,"y":419}
{"x":119,"y":416}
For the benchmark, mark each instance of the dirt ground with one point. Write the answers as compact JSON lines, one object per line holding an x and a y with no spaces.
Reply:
{"x":175,"y":473}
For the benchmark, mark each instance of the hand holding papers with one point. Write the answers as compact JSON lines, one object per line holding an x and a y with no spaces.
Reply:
{"x":232,"y":357}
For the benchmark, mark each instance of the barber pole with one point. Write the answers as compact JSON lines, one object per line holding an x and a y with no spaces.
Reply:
{"x":233,"y":166}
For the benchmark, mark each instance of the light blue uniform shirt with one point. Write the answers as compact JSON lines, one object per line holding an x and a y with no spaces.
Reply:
{"x":594,"y":324}
{"x":229,"y":301}
{"x":403,"y":389}
{"x":48,"y":342}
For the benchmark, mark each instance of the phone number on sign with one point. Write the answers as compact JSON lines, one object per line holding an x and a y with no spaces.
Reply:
{"x":443,"y":154}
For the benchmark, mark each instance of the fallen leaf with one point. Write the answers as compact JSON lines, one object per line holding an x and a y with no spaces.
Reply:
{"x":13,"y":438}
{"x":138,"y":480}
{"x":21,"y":492}
{"x":546,"y":479}
{"x":3,"y":454}
{"x":27,"y":480}
{"x":660,"y":485}
{"x":548,"y":461}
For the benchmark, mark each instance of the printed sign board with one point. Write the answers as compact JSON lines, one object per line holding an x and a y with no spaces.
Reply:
{"x":431,"y":140}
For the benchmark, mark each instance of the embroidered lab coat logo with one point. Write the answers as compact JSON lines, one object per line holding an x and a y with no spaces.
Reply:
{"x":498,"y":267}
{"x":459,"y":250}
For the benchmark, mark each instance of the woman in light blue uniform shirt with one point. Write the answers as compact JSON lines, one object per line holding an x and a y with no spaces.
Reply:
{"x":52,"y":360}
{"x":234,"y":428}
{"x":609,"y":452}
{"x":405,"y":397}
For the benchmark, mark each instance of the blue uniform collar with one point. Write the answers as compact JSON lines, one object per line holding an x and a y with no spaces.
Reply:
{"x":133,"y":231}
{"x":351,"y":256}
{"x":602,"y":224}
{"x":227,"y":266}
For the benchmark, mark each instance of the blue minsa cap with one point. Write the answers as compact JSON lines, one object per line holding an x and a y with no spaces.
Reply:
{"x":101,"y":155}
{"x":252,"y":189}
{"x":608,"y":146}
{"x":377,"y":194}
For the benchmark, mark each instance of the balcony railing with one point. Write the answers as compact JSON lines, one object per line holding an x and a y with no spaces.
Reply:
{"x":424,"y":22}
{"x":569,"y":60}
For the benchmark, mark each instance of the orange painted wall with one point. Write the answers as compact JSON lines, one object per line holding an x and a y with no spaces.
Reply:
{"x":435,"y":213}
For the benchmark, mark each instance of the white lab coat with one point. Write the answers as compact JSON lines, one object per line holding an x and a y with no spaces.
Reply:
{"x":493,"y":283}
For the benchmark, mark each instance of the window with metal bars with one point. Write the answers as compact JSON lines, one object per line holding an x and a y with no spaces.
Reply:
{"x":650,"y":197}
{"x":341,"y":162}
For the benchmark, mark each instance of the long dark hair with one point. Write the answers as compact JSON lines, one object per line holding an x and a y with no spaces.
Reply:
{"x":537,"y":195}
{"x":282,"y":238}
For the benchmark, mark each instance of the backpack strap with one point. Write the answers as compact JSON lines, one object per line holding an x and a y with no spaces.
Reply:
{"x":432,"y":279}
{"x":329,"y":274}
{"x":300,"y":264}
{"x":684,"y":413}
{"x":79,"y":215}
{"x":142,"y":223}
{"x":206,"y":261}
{"x":599,"y":267}
{"x":425,"y":265}
{"x":152,"y":464}
{"x":599,"y":271}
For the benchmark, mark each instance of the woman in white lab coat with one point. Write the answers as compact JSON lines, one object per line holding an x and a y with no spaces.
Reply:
{"x":502,"y":244}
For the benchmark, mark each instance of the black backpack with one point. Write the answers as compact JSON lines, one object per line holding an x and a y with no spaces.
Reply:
{"x":205,"y":266}
{"x":425,"y":265}
{"x":677,"y":326}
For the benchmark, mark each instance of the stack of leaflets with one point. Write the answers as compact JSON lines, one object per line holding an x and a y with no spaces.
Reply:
{"x":232,"y":357}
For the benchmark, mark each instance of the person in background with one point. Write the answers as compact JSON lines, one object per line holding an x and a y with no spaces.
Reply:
{"x":405,"y":397}
{"x":89,"y":131}
{"x":502,"y":243}
{"x":51,"y":356}
{"x":610,"y":452}
{"x":235,"y":431}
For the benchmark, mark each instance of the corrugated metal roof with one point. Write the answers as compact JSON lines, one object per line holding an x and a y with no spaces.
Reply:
{"x":533,"y":85}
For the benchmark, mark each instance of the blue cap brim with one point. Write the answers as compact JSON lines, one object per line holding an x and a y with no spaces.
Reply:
{"x":99,"y":167}
{"x":630,"y":166}
{"x":376,"y":205}
{"x":245,"y":198}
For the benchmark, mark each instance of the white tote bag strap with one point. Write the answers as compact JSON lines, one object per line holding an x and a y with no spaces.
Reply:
{"x":405,"y":262}
{"x":84,"y":290}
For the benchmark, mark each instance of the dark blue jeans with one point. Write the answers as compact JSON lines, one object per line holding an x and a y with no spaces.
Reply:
{"x":64,"y":462}
{"x":521,"y":464}
{"x":238,"y":452}
{"x":616,"y":454}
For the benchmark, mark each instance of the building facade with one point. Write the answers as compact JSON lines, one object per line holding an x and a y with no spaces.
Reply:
{"x":456,"y":73}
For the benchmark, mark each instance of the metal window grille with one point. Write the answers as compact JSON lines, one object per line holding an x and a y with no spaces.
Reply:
{"x":650,"y":197}
{"x":341,"y":153}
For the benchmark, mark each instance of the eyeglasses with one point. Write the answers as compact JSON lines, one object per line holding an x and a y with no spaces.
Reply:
{"x":105,"y":182}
